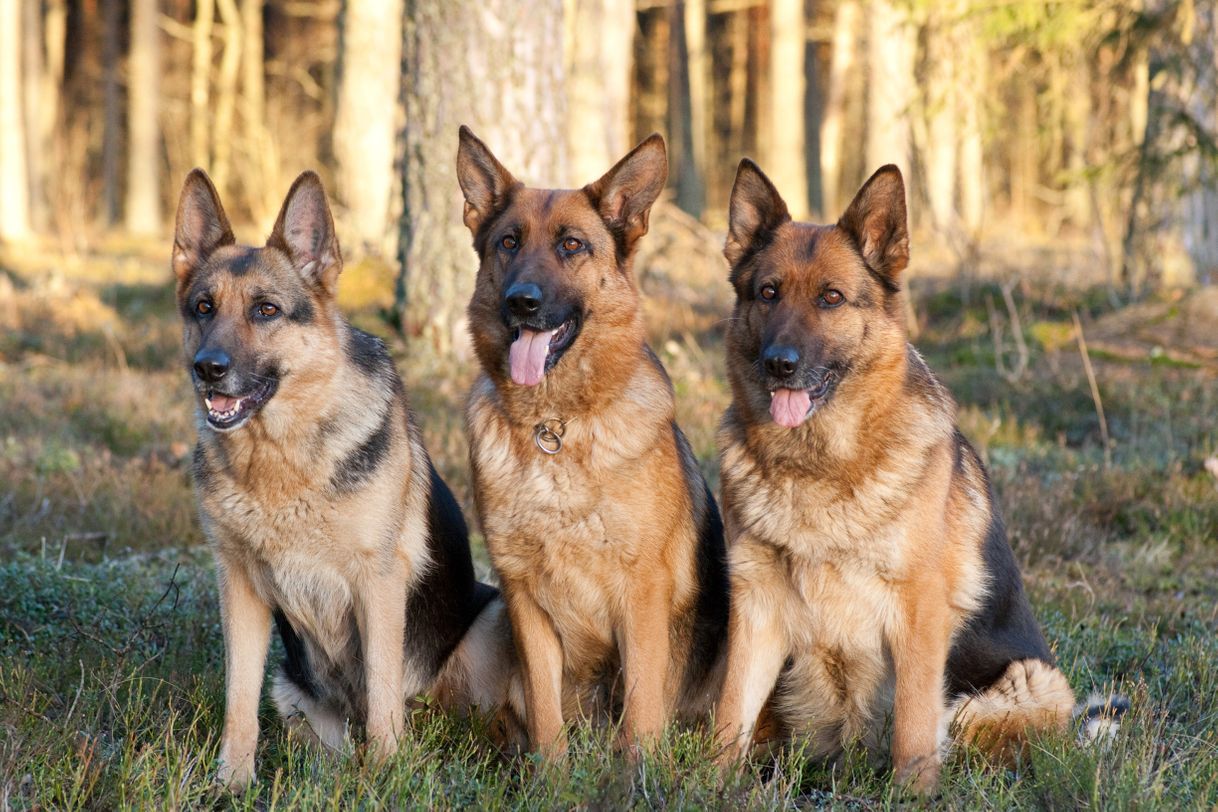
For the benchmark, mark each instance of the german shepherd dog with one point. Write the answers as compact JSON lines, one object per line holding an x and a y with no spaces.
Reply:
{"x":872,"y":582}
{"x":321,"y":505}
{"x":599,"y":523}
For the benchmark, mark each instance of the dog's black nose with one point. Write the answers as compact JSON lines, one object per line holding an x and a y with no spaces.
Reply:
{"x":780,"y":361}
{"x":211,"y":364}
{"x":523,"y":299}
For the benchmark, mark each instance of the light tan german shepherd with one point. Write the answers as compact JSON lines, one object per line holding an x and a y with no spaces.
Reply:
{"x":874,"y":595}
{"x":322,"y":507}
{"x":600,"y":525}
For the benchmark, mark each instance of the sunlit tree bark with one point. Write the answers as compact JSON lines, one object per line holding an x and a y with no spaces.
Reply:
{"x":496,"y":65}
{"x":143,"y":208}
{"x":365,"y":128}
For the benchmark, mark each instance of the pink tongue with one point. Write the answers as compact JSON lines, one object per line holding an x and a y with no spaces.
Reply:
{"x":223,"y":403}
{"x":527,"y":357}
{"x":789,"y":407}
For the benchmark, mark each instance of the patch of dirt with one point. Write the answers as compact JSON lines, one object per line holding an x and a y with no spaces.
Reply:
{"x":1183,"y":330}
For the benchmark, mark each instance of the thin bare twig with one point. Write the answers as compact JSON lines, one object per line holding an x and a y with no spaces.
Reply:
{"x":1095,"y":389}
{"x":1015,"y":373}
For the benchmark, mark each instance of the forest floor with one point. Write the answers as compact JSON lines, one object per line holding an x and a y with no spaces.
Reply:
{"x":111,"y":669}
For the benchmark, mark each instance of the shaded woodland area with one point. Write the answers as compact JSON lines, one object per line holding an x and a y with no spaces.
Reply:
{"x":1089,"y":123}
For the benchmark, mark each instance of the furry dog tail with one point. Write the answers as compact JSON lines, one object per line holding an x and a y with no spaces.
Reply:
{"x":1032,"y":696}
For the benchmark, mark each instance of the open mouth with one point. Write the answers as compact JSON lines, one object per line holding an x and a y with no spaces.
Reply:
{"x":535,"y":352}
{"x":791,"y":407}
{"x":227,"y":412}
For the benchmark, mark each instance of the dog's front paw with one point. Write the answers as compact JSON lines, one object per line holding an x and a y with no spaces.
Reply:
{"x":555,"y":750}
{"x":920,"y":776}
{"x":236,"y":774}
{"x":382,"y":748}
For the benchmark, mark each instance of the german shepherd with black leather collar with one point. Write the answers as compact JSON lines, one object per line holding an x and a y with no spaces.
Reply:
{"x":321,"y":505}
{"x":872,"y":582}
{"x":599,"y":523}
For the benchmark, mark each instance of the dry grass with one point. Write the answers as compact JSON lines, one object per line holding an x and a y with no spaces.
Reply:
{"x":109,"y":654}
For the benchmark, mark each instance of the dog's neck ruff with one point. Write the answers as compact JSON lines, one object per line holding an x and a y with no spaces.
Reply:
{"x":548,"y":435}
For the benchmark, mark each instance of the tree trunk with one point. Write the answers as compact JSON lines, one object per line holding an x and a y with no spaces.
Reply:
{"x":690,"y":68}
{"x":366,"y":119}
{"x":226,"y":94}
{"x":144,"y":134}
{"x":890,"y":55}
{"x":785,"y":161}
{"x":262,"y":168}
{"x":969,"y":101}
{"x":14,"y":188}
{"x":651,"y":77}
{"x":939,"y":96}
{"x":496,"y":65}
{"x":32,"y":71}
{"x":598,"y":46}
{"x":200,"y":84}
{"x":833,"y":122}
{"x":112,"y":110}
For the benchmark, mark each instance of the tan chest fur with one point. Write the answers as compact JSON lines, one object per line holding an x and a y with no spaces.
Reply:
{"x":572,"y":528}
{"x":836,"y":556}
{"x":305,"y":548}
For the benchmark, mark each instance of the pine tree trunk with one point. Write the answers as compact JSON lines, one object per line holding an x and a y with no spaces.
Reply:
{"x":226,"y":94}
{"x":972,"y":151}
{"x":144,"y":134}
{"x":690,"y":66}
{"x":890,"y":55}
{"x":786,"y":160}
{"x":939,"y":96}
{"x":14,"y":186}
{"x":112,"y":110}
{"x":32,"y":71}
{"x":200,"y":84}
{"x":833,"y":122}
{"x":262,"y":170}
{"x":366,"y":119}
{"x":598,"y":46}
{"x":496,"y":65}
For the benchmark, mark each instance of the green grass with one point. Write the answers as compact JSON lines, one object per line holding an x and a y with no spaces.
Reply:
{"x":111,"y":671}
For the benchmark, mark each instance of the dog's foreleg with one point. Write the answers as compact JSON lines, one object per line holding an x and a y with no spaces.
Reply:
{"x":645,"y":645}
{"x":541,"y":659}
{"x":382,"y":628}
{"x":919,"y":651}
{"x":246,"y":620}
{"x":757,"y":648}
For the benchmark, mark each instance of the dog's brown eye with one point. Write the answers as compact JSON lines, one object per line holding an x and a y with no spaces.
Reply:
{"x":832,"y":298}
{"x":267,"y":310}
{"x":203,"y":307}
{"x":509,"y":242}
{"x":571,"y":245}
{"x":769,"y":293}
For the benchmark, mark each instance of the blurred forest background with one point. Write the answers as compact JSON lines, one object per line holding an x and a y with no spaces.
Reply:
{"x":1081,"y":131}
{"x":1062,"y":165}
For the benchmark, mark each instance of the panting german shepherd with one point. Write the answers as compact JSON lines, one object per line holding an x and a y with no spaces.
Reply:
{"x":322,"y":507}
{"x":874,"y":594}
{"x":606,"y":539}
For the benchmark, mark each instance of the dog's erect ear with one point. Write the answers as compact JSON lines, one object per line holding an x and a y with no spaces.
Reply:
{"x":755,"y":211}
{"x":484,"y":181}
{"x":876,"y":221}
{"x":625,"y":194}
{"x":201,"y":227}
{"x":304,"y":231}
